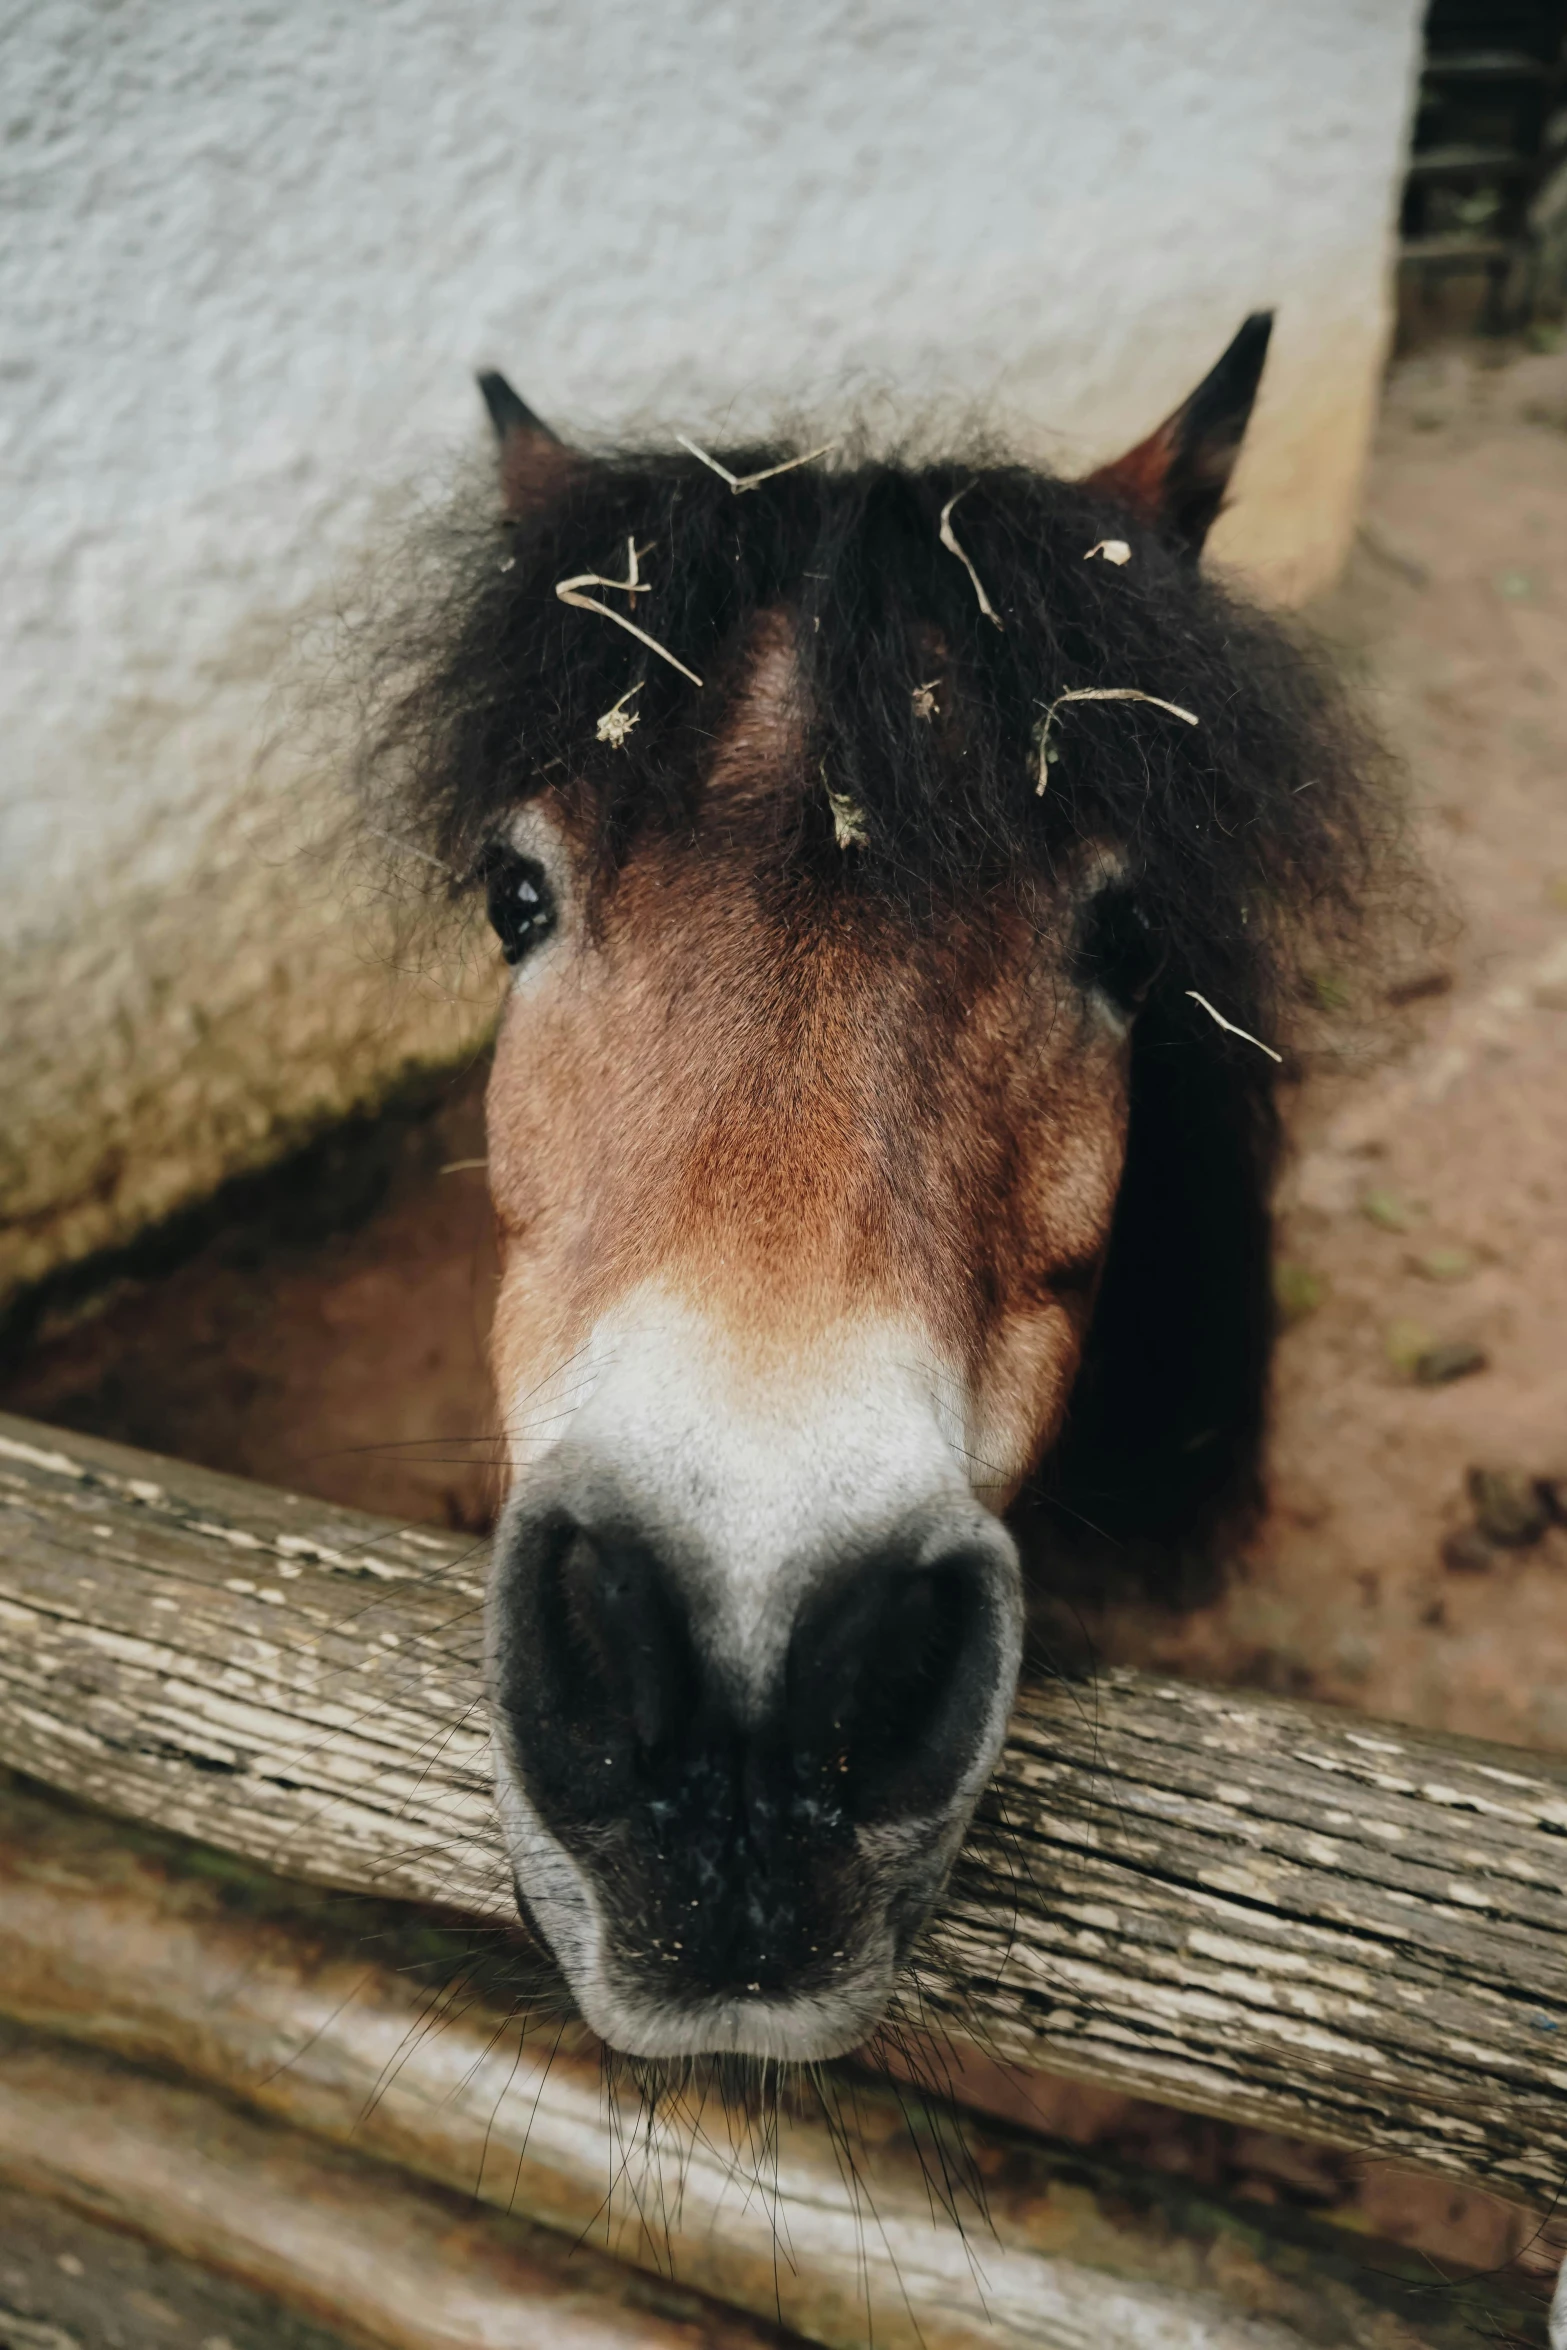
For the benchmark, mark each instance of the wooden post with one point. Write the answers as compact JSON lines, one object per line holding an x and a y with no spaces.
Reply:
{"x":1271,"y":1912}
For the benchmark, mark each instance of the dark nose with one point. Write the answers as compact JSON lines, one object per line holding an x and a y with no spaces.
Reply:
{"x":618,"y":1647}
{"x":891,"y":1681}
{"x":631,"y":1724}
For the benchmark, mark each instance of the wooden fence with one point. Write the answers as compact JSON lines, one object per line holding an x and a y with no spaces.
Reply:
{"x":1257,"y":1909}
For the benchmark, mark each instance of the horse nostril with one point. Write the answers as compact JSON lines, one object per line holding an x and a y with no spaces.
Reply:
{"x":686,"y":1779}
{"x":621,"y":1638}
{"x":890,"y":1685}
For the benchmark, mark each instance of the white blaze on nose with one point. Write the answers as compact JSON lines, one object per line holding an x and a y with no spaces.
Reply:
{"x":758,"y":1471}
{"x":758,"y":1464}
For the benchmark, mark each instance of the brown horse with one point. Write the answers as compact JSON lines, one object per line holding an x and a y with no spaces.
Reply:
{"x":906,"y":872}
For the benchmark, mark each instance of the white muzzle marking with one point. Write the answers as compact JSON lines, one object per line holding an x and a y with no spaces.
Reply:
{"x":760,"y":1476}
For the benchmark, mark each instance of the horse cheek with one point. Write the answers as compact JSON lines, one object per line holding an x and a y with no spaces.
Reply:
{"x":1055,"y":1233}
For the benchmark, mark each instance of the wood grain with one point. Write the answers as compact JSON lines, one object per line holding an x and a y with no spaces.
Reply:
{"x":1263,"y":1910}
{"x":361,"y":2025}
{"x":387,"y":2261}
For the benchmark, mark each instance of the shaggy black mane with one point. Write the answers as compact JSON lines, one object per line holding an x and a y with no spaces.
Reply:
{"x":1253,"y":841}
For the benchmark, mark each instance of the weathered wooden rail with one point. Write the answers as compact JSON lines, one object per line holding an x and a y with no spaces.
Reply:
{"x":337,"y":2098}
{"x":1262,"y":1910}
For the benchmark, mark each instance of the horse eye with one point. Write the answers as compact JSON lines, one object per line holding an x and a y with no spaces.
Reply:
{"x":519,"y":901}
{"x":1116,"y":951}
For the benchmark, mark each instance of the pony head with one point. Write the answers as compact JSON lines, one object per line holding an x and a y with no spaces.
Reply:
{"x":870,"y":846}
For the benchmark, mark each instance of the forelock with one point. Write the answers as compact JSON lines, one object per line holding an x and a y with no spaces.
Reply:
{"x":812,"y":609}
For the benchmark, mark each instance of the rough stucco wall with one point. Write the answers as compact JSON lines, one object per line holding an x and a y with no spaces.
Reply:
{"x":252,"y":256}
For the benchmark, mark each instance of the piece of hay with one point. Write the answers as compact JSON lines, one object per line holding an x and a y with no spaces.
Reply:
{"x":1112,"y":551}
{"x":750,"y":481}
{"x":618,"y":721}
{"x":925,"y":703}
{"x":1230,"y":1028}
{"x":396,"y":841}
{"x":631,"y":585}
{"x":1099,"y":693}
{"x":848,"y":818}
{"x":949,"y":540}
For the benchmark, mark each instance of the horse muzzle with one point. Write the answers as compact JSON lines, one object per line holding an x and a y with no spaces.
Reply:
{"x":733,"y":1787}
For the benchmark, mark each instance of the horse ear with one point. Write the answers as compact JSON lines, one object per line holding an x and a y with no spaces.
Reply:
{"x":533,"y":460}
{"x":1177,"y":477}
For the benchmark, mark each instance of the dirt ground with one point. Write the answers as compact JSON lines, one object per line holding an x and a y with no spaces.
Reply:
{"x":328,"y":1333}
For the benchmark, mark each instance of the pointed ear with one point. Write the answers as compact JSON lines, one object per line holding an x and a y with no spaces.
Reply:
{"x":534,"y":461}
{"x":1178,"y":476}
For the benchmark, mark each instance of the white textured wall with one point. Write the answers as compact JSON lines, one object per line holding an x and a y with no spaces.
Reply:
{"x":252,"y":254}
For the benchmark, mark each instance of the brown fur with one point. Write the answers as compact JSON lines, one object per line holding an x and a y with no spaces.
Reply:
{"x":794,"y":1114}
